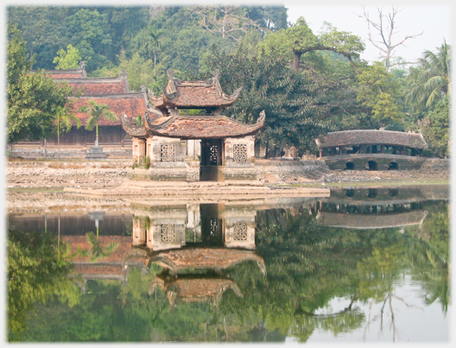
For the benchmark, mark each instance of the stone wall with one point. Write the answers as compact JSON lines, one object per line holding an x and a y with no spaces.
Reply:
{"x":280,"y":170}
{"x":66,"y":152}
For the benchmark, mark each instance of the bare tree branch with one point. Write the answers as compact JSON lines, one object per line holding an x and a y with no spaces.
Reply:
{"x":385,"y":28}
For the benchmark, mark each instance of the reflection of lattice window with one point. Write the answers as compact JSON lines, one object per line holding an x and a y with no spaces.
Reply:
{"x":240,"y":153}
{"x":165,"y":233}
{"x":168,"y":152}
{"x":213,"y":154}
{"x":240,"y":231}
{"x":213,"y":227}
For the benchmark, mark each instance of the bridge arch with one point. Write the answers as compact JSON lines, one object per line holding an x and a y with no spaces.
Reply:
{"x":393,"y":166}
{"x":349,"y":166}
{"x":372,"y":165}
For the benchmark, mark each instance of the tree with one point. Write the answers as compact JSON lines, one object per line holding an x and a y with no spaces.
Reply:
{"x":32,"y":97}
{"x":379,"y":92}
{"x":98,"y":251}
{"x":430,"y":81}
{"x":229,"y":22}
{"x":435,"y":127}
{"x":35,"y":273}
{"x":290,"y":99}
{"x":68,"y":59}
{"x":42,"y":28}
{"x":292,"y":43}
{"x":385,"y":27}
{"x":96,"y":113}
{"x":87,"y":30}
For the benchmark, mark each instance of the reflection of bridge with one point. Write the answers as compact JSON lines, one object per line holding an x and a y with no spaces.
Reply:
{"x":372,"y":150}
{"x":373,"y":208}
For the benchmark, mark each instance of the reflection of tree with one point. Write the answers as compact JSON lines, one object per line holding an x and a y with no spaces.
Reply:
{"x":35,"y":274}
{"x":97,"y":251}
{"x":429,"y":255}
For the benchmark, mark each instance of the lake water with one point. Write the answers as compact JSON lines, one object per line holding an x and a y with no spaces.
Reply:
{"x":364,"y":265}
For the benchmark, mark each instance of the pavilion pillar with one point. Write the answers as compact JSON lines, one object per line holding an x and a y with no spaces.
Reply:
{"x":139,"y":149}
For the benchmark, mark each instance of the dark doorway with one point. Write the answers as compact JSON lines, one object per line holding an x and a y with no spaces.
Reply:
{"x":211,"y":159}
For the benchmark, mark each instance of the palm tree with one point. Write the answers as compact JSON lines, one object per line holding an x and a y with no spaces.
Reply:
{"x":150,"y":42}
{"x":64,"y":117}
{"x":431,"y":80}
{"x":96,"y":112}
{"x":97,"y":251}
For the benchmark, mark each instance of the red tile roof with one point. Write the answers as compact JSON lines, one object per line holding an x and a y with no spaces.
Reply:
{"x":65,"y":74}
{"x":132,"y":104}
{"x":196,"y":96}
{"x":371,"y":137}
{"x":95,"y":86}
{"x":202,"y":127}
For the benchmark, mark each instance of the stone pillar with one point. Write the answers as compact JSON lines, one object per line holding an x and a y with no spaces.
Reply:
{"x":149,"y":147}
{"x":139,"y":232}
{"x":139,"y":149}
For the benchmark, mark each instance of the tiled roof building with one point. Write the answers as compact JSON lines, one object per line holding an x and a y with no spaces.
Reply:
{"x":186,"y":137}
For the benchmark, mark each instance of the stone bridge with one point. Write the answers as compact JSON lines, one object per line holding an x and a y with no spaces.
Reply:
{"x":372,"y":150}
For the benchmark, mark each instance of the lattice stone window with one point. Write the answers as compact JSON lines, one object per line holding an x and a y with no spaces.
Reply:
{"x":240,"y":231}
{"x":240,"y":153}
{"x":165,"y":233}
{"x":168,"y":152}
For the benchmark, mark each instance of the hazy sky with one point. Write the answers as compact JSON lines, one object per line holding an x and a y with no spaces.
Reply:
{"x":432,"y":20}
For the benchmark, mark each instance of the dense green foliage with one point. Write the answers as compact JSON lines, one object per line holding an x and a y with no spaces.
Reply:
{"x":37,"y":268}
{"x":33,"y":98}
{"x":329,"y":86}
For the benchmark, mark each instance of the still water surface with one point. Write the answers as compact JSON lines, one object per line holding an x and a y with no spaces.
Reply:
{"x":365,"y":265}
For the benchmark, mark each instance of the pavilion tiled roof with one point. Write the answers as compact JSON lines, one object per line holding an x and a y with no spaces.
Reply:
{"x":193,"y":94}
{"x":202,"y":258}
{"x":195,"y":289}
{"x":95,"y":86}
{"x":131,"y":104}
{"x":372,"y":137}
{"x":201,"y":127}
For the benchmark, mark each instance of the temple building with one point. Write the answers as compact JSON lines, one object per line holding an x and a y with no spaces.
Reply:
{"x":185,"y":136}
{"x":111,"y":91}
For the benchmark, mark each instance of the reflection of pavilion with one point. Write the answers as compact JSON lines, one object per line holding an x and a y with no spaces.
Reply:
{"x":195,"y":244}
{"x":194,"y":289}
{"x":373,"y":208}
{"x":164,"y":228}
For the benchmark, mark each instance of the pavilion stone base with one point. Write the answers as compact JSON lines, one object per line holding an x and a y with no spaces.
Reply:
{"x":96,"y":153}
{"x":383,"y":162}
{"x":239,"y":173}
